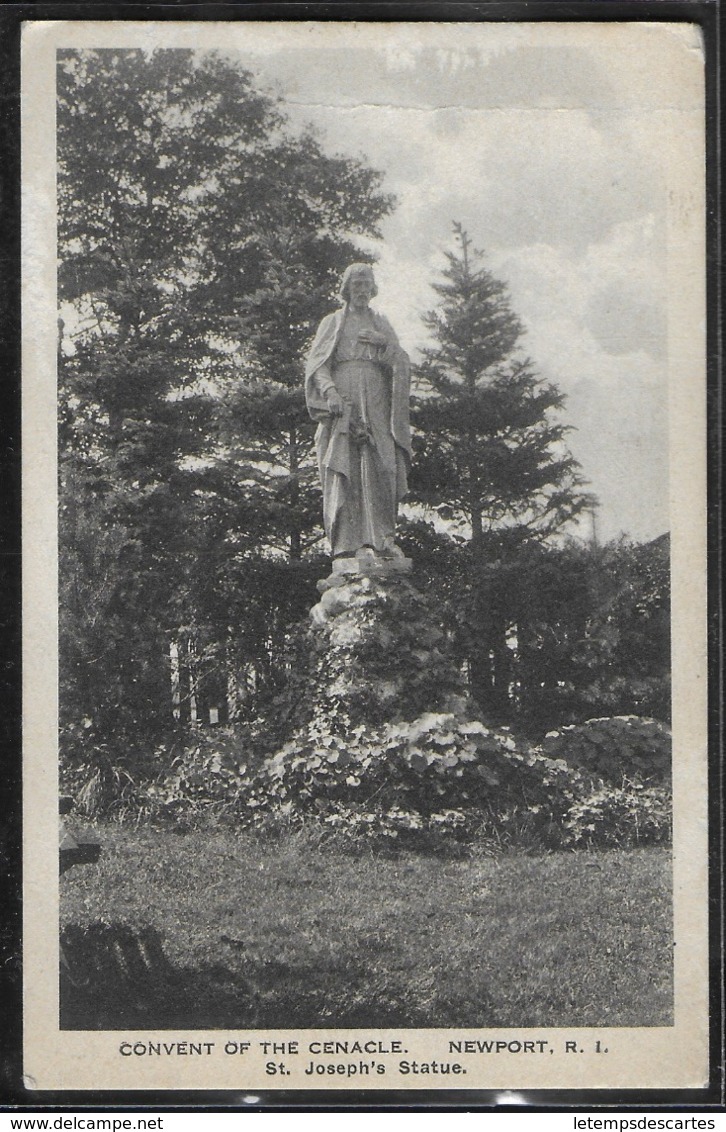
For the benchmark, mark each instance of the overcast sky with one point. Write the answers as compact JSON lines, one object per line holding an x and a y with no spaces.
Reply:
{"x":551,"y":144}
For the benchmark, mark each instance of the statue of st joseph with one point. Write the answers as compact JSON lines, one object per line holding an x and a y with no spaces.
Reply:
{"x":357,"y":382}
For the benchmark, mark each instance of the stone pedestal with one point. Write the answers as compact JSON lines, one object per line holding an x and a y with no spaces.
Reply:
{"x":375,"y":651}
{"x":367,"y":566}
{"x":378,"y":649}
{"x":347,"y":570}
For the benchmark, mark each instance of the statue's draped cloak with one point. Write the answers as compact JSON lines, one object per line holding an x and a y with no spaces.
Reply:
{"x":362,"y":483}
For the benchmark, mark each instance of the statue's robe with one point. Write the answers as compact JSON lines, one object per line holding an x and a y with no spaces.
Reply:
{"x":364,"y":454}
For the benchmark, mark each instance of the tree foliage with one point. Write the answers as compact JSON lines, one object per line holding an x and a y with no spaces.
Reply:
{"x":587,"y":627}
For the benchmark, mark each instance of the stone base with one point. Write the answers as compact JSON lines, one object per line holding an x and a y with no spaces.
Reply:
{"x":378,"y":651}
{"x":347,"y":569}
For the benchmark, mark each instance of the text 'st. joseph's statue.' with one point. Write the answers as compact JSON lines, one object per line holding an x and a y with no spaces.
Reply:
{"x":357,"y":383}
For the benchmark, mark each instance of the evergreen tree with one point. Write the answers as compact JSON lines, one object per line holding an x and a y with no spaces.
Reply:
{"x":490,"y":456}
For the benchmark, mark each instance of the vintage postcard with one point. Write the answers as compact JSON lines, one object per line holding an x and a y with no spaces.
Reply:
{"x":364,"y":387}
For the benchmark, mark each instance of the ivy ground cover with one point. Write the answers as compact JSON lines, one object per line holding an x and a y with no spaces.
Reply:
{"x":213,"y":929}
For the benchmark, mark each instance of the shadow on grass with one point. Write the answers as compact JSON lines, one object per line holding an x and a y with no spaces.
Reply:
{"x":113,"y":978}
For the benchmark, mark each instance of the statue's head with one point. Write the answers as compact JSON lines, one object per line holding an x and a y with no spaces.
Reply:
{"x":359,"y":272}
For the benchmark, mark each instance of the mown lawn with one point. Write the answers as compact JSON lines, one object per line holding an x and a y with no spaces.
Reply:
{"x":212,"y":929}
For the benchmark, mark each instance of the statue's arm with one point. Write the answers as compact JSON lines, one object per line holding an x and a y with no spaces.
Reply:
{"x":320,"y":389}
{"x":323,"y":379}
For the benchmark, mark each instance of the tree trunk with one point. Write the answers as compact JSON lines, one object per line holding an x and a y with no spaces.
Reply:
{"x":501,"y":667}
{"x":480,"y":665}
{"x":295,"y":547}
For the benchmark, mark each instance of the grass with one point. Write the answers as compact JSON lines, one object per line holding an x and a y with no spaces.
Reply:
{"x":216,"y":930}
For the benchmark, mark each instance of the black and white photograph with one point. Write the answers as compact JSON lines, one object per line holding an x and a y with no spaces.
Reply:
{"x":364,"y":387}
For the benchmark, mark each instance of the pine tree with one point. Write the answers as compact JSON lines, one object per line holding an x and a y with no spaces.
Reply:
{"x":490,"y":456}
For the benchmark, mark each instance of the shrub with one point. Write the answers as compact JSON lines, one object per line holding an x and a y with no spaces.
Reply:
{"x":104,"y":777}
{"x":207,"y":775}
{"x":440,"y":779}
{"x":622,"y":816}
{"x":437,"y":781}
{"x":616,"y":749}
{"x":435,"y":778}
{"x":189,"y":774}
